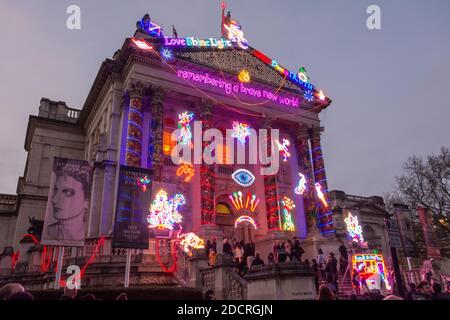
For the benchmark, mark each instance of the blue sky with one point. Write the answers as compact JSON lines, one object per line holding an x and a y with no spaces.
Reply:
{"x":388,"y":86}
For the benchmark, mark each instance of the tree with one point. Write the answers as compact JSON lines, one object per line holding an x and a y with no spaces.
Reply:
{"x":426,"y":182}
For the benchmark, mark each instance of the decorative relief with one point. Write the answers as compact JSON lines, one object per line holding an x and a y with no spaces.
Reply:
{"x":234,"y":61}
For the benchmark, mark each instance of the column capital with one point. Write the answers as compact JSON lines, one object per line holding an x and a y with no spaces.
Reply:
{"x":316,"y":131}
{"x":302,"y":131}
{"x":267,"y":122}
{"x":158,"y":95}
{"x":136,"y":89}
{"x":206,"y":107}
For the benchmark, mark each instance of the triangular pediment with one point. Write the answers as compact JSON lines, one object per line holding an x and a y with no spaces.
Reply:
{"x":234,"y":61}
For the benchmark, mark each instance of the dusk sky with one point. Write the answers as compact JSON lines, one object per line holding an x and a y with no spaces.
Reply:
{"x":389,"y":87}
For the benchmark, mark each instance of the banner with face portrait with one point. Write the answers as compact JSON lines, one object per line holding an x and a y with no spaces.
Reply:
{"x":133,"y":201}
{"x":68,"y":203}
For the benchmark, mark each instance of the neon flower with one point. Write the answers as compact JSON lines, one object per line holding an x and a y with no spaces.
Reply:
{"x":321,"y":95}
{"x":301,"y":187}
{"x":284,"y":149}
{"x":167,"y":54}
{"x":243,"y":177}
{"x":143,"y":183}
{"x":320,"y":194}
{"x":190,"y":241}
{"x":241,"y":130}
{"x":354,"y":229}
{"x":187,"y":169}
{"x":183,"y":124}
{"x":245,"y":219}
{"x":303,"y":74}
{"x":244,"y":76}
{"x":309,"y":96}
{"x":251,"y":201}
{"x":164,"y":212}
{"x":288,"y":205}
{"x":236,"y":35}
{"x":141,"y":44}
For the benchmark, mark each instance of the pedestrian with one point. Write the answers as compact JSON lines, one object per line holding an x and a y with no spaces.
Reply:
{"x":332,"y":272}
{"x":122,"y":296}
{"x":423,"y":291}
{"x":315,"y":268}
{"x":355,"y":281}
{"x":212,"y":257}
{"x":325,"y":293}
{"x":257,"y":261}
{"x":227,"y":249}
{"x":270,"y":258}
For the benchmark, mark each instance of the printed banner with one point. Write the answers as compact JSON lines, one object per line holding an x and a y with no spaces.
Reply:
{"x":133,"y":201}
{"x":428,"y":234}
{"x":68,"y":203}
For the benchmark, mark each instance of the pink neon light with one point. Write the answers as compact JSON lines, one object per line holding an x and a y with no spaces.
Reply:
{"x":233,"y":87}
{"x":141,"y":44}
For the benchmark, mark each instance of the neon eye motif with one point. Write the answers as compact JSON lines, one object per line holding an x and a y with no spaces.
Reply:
{"x":243,"y":177}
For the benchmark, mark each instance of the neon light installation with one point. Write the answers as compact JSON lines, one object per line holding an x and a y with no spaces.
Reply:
{"x":283,"y":71}
{"x":245,"y":219}
{"x":287,"y":205}
{"x":189,"y":241}
{"x":244,"y":76}
{"x":303,"y":74}
{"x":354,"y":229}
{"x":371,"y":267}
{"x":167,"y":54}
{"x":308,"y":95}
{"x":141,"y":44}
{"x":233,"y":88}
{"x":241,"y":130}
{"x":183,"y":124}
{"x":148,"y":26}
{"x":320,"y":195}
{"x":235,"y":34}
{"x":243,"y":177}
{"x":301,"y":187}
{"x":186,"y":169}
{"x":251,"y":201}
{"x":143,"y":182}
{"x":284,"y":149}
{"x":164,"y":212}
{"x":321,"y":95}
{"x":197,"y":43}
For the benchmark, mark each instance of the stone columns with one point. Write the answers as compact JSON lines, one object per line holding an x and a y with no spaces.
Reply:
{"x":270,"y":189}
{"x":207,"y":172}
{"x":133,"y":156}
{"x":156,"y":135}
{"x":304,"y":163}
{"x":324,"y":212}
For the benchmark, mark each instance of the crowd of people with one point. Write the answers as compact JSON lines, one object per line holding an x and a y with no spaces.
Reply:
{"x":15,"y":291}
{"x":244,"y":255}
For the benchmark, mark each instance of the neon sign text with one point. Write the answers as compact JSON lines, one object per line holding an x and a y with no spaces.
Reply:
{"x":198,"y":43}
{"x":230,"y":88}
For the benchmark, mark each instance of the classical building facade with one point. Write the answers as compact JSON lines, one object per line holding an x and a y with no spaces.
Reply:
{"x":127,"y":119}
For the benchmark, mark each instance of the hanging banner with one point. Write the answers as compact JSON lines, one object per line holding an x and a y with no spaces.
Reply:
{"x":408,"y":239}
{"x":133,"y":201}
{"x":68,"y":203}
{"x":428,"y":234}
